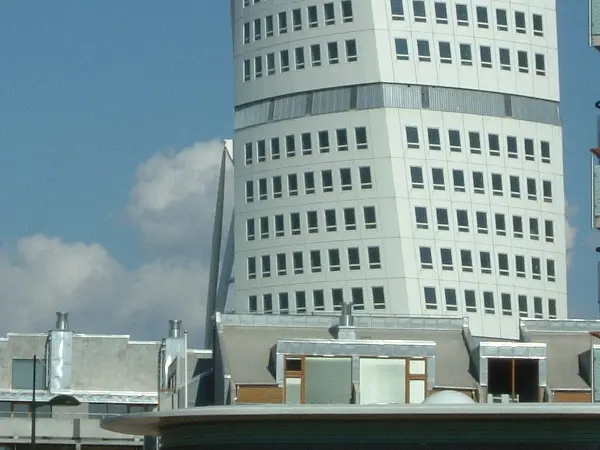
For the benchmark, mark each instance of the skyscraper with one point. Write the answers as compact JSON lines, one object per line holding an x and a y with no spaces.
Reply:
{"x":405,"y":156}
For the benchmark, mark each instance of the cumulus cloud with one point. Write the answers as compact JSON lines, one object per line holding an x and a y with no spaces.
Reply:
{"x":172,"y":203}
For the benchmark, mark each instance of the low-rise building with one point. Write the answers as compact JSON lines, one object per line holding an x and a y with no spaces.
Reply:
{"x":107,"y":374}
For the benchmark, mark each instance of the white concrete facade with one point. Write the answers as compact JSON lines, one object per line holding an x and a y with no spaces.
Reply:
{"x":410,"y":163}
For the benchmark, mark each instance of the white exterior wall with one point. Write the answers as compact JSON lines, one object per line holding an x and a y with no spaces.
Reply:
{"x":390,"y":160}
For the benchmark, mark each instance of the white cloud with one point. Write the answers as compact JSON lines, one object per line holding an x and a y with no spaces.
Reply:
{"x":570,"y":230}
{"x":172,"y":203}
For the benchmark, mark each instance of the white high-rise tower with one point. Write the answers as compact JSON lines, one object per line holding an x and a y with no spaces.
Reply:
{"x":405,"y":156}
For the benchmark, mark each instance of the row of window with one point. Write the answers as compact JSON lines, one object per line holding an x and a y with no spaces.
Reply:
{"x":296,"y":302}
{"x":305,"y":144}
{"x":463,"y":14}
{"x":424,"y":53}
{"x":438,"y":183}
{"x":372,"y":255}
{"x":364,"y":174}
{"x":494,"y":144}
{"x":294,"y":228}
{"x":482,"y":225}
{"x":447,"y":263}
{"x":255,"y":68}
{"x":311,"y":17}
{"x":450,"y":299}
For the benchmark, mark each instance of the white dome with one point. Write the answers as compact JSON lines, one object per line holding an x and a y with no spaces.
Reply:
{"x":449,"y":398}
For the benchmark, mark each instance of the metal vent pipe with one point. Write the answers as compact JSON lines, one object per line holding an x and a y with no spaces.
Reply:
{"x":174,"y":328}
{"x":62,"y":320}
{"x":347,"y":320}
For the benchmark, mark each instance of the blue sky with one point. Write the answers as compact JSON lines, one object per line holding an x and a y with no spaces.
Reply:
{"x":89,"y":91}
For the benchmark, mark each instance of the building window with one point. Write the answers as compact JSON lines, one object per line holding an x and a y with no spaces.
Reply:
{"x":251,"y":263}
{"x":426,"y":258}
{"x":246,"y":31}
{"x":437,"y":176}
{"x":269,"y":26}
{"x":290,"y":146}
{"x":296,"y":19}
{"x":545,"y":151}
{"x":282,"y":22}
{"x":315,"y":261}
{"x":534,"y":229}
{"x":353,"y":258}
{"x":329,"y":12}
{"x":401,"y":49}
{"x":501,"y":20}
{"x":538,"y":308}
{"x":470,"y":301}
{"x":538,"y":25}
{"x":250,"y":230}
{"x":523,"y":61}
{"x":397,"y":8}
{"x":309,"y":183}
{"x":504,"y":58}
{"x":441,"y":13}
{"x":466,"y":55}
{"x":330,"y":220}
{"x":488,"y":303}
{"x":22,"y":374}
{"x":277,"y":187}
{"x":313,"y":18}
{"x":547,"y":191}
{"x":540,"y":64}
{"x":482,"y":17}
{"x":475,"y":142}
{"x":482,"y":223}
{"x":332,"y":51}
{"x":446,"y":258}
{"x":433,"y":136}
{"x":360,"y":134}
{"x":358,"y":299}
{"x":315,"y":55}
{"x":312,"y":222}
{"x":319,"y":300}
{"x":503,"y":264}
{"x":378,"y":297}
{"x":419,"y":12}
{"x":520,"y":266}
{"x":247,"y":70}
{"x":430,"y":298}
{"x":264,"y":228}
{"x":515,"y":187}
{"x":249,"y":192}
{"x":257,"y":30}
{"x":366,"y":181}
{"x":531,"y":189}
{"x":421,"y":218}
{"x":279,"y":226}
{"x":301,"y":302}
{"x":346,"y":179}
{"x":262,"y":189}
{"x":466,"y":261}
{"x":520,"y":24}
{"x":258,"y":67}
{"x":347,"y":13}
{"x":298,"y":262}
{"x":451,"y":302}
{"x":295,"y":223}
{"x":551,"y":270}
{"x":445,"y":52}
{"x":462,"y":15}
{"x":337,"y":296}
{"x":265,"y":262}
{"x":485,"y":261}
{"x":275,"y":150}
{"x":500,"y":221}
{"x":374,"y":257}
{"x":443,"y":222}
{"x":292,"y":185}
{"x":334,"y":260}
{"x":518,"y":227}
{"x":284,"y":303}
{"x":248,"y":153}
{"x":284,"y":60}
{"x":454,"y":140}
{"x":281,"y":264}
{"x":506,"y":304}
{"x":462,"y":220}
{"x":253,"y":304}
{"x":458,"y":179}
{"x":511,"y":147}
{"x":494,"y":144}
{"x":324,"y":141}
{"x":478,"y":183}
{"x":523,"y":309}
{"x":497,"y":185}
{"x":351,"y":51}
{"x":536,"y":268}
{"x":423,"y":51}
{"x":341,"y":136}
{"x":549,"y":230}
{"x":327,"y":180}
{"x":552,"y":308}
{"x":349,"y":219}
{"x":261,"y":151}
{"x":369,"y":217}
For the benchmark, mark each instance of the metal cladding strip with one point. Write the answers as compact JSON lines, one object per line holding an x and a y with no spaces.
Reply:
{"x":399,"y":96}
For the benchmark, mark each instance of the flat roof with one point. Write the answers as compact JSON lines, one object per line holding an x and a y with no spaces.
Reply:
{"x":152,"y":423}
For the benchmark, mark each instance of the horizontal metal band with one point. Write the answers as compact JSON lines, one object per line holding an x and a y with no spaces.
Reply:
{"x":400,"y":96}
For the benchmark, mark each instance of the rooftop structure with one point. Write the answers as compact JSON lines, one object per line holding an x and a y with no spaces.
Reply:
{"x":107,"y":374}
{"x":595,"y":23}
{"x":404,"y":157}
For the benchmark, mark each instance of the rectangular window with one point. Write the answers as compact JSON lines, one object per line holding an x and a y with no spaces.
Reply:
{"x":421,"y":218}
{"x":249,"y":192}
{"x":327,"y":180}
{"x":346,"y":179}
{"x":497,"y":185}
{"x":281,"y":260}
{"x":351,"y":50}
{"x":504,"y":58}
{"x":401,"y":49}
{"x":337,"y":297}
{"x":538,"y":308}
{"x":297,"y":19}
{"x":547,"y":191}
{"x":466,"y":54}
{"x":506,"y":304}
{"x":503,"y":264}
{"x":549,"y":230}
{"x":299,"y":57}
{"x":347,"y":13}
{"x":250,"y":229}
{"x":264,"y":228}
{"x":466,"y":261}
{"x":538,"y":25}
{"x":334,"y":259}
{"x":462,"y":15}
{"x":301,"y":302}
{"x":545,"y":151}
{"x":470,"y":301}
{"x":261,"y":150}
{"x":540,"y":64}
{"x":488,"y":303}
{"x":451,"y":302}
{"x":247,"y":70}
{"x":494,"y":144}
{"x":251,"y":264}
{"x":333,"y":53}
{"x":458,"y":179}
{"x":534,"y":229}
{"x":426,"y":258}
{"x":295,"y":223}
{"x":445,"y":52}
{"x":284,"y":303}
{"x":270,"y":64}
{"x":482,"y":223}
{"x":275,"y":150}
{"x":520,"y":24}
{"x":446,"y":258}
{"x":298,"y":261}
{"x":454,"y":140}
{"x":330,"y":220}
{"x":279,"y":225}
{"x":257,"y":30}
{"x":284,"y":60}
{"x":248,"y":153}
{"x":520,"y":266}
{"x":315,"y":261}
{"x":329,"y":13}
{"x":349,"y":219}
{"x":313,"y":18}
{"x":437,"y":175}
{"x":482,"y":17}
{"x":529,"y":150}
{"x":265,"y":261}
{"x":309,"y":183}
{"x":370,"y":218}
{"x":246,"y":31}
{"x":312,"y":221}
{"x":358,"y":299}
{"x":341,"y":136}
{"x":353,"y":258}
{"x":511,"y":147}
{"x":531,"y":189}
{"x":319,"y":300}
{"x":552,"y":308}
{"x":485,"y":56}
{"x":258,"y":67}
{"x":515,"y":187}
{"x":485,"y":261}
{"x":282,"y":22}
{"x":500,"y":221}
{"x":518,"y":227}
{"x":433,"y":136}
{"x":462,"y":219}
{"x":419,"y":12}
{"x":315,"y":55}
{"x":397,"y":7}
{"x":441,"y":13}
{"x":523,"y":61}
{"x":523,"y":309}
{"x":262,"y":189}
{"x":292,"y":185}
{"x":22,"y":374}
{"x":475,"y":142}
{"x":360,"y":135}
{"x":536,"y":268}
{"x":324,"y":141}
{"x":478,"y":183}
{"x":430,"y":298}
{"x":443,"y":221}
{"x":366,"y":180}
{"x":378,"y":297}
{"x":551,"y":270}
{"x":277,"y":187}
{"x":269,"y":26}
{"x":253,"y":304}
{"x":290,"y":146}
{"x":423,"y":51}
{"x":501,"y":20}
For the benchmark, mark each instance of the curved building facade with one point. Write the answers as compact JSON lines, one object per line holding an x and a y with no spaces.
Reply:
{"x":405,"y":156}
